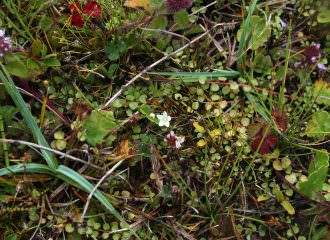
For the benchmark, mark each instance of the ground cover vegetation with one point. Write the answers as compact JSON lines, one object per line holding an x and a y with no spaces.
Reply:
{"x":163,"y":119}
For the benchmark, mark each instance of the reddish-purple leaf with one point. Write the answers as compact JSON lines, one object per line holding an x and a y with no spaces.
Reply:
{"x":266,"y":145}
{"x":73,"y":8}
{"x":281,"y":119}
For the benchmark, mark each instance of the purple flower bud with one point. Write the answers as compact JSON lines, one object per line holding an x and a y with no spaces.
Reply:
{"x":321,"y":67}
{"x":5,"y":44}
{"x":283,"y":24}
{"x":177,"y":5}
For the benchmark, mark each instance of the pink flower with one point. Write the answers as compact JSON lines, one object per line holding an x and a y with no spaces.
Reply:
{"x":173,"y":140}
{"x":177,"y":5}
{"x":5,"y":44}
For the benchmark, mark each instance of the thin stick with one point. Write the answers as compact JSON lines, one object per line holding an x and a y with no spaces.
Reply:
{"x":97,"y":185}
{"x":40,"y":218}
{"x":30,"y":144}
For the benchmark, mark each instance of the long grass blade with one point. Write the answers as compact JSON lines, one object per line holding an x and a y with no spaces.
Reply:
{"x":193,"y":77}
{"x":222,"y":73}
{"x":30,"y":167}
{"x":27,"y":115}
{"x":242,"y":42}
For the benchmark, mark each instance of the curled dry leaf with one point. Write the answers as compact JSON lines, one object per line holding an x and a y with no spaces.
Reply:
{"x":142,"y":4}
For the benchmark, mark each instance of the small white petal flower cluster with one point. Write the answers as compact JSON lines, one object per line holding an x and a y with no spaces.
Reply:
{"x":5,"y":44}
{"x":164,"y":120}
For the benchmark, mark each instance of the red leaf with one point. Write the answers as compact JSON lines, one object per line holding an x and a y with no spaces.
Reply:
{"x":267,"y":145}
{"x":281,"y":119}
{"x":77,"y":20}
{"x":92,"y":9}
{"x":73,"y":8}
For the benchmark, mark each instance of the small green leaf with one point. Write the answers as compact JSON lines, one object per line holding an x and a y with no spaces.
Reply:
{"x":319,"y":125}
{"x":59,"y":135}
{"x":258,"y":32}
{"x":60,"y":144}
{"x":11,"y":237}
{"x":133,"y":105}
{"x":106,"y":226}
{"x":288,"y":207}
{"x":320,"y":233}
{"x":279,"y":195}
{"x":181,"y":18}
{"x":37,"y":47}
{"x":45,"y":23}
{"x":51,"y":61}
{"x":98,"y":125}
{"x":160,"y":22}
{"x":7,"y":112}
{"x":317,"y":174}
{"x":69,"y":228}
{"x":112,"y":69}
{"x":263,"y":197}
{"x":277,"y":165}
{"x":321,"y":91}
{"x":96,"y":226}
{"x":15,"y":66}
{"x":324,"y":16}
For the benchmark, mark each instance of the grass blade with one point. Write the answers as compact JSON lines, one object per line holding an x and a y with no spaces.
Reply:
{"x":28,"y":117}
{"x":192,"y":77}
{"x":242,"y":43}
{"x":30,"y":167}
{"x":258,"y":107}
{"x":221,"y":73}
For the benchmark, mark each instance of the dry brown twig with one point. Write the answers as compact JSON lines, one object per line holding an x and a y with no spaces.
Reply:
{"x":106,"y":175}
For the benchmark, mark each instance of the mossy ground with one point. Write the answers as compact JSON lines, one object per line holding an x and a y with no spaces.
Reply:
{"x":226,"y":139}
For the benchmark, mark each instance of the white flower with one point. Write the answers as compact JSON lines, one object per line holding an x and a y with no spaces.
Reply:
{"x":164,"y":119}
{"x":179,"y":141}
{"x":152,"y":115}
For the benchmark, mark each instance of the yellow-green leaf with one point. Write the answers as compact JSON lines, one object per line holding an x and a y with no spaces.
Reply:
{"x":262,"y":197}
{"x":201,"y":143}
{"x":198,"y":127}
{"x":288,"y":207}
{"x":215,"y":133}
